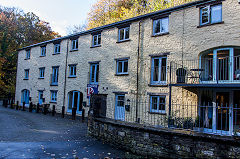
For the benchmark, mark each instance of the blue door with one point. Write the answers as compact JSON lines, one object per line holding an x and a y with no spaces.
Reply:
{"x":119,"y":107}
{"x":40,"y":97}
{"x":25,"y":97}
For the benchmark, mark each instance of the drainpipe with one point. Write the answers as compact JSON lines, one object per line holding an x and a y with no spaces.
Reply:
{"x":138,"y":60}
{"x":65,"y":78}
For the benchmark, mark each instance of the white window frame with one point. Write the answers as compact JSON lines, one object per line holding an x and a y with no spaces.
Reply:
{"x":41,"y":72}
{"x":95,"y":73}
{"x":53,"y":96}
{"x":28,"y":54}
{"x":124,"y":34}
{"x":26,"y":74}
{"x":74,"y":44}
{"x":159,"y":82}
{"x":43,"y":51}
{"x":73,"y":69}
{"x":158,"y":104}
{"x":209,"y":9}
{"x":97,"y":42}
{"x":123,"y":62}
{"x":160,"y":22}
{"x":57,"y":48}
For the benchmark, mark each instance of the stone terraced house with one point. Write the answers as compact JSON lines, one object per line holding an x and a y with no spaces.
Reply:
{"x":177,"y":67}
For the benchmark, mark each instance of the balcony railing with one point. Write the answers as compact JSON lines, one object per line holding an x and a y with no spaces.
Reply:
{"x":206,"y":71}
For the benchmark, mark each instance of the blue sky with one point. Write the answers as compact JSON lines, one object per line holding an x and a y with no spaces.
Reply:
{"x":59,"y":13}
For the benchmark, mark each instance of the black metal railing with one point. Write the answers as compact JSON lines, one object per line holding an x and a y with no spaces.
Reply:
{"x":210,"y":118}
{"x":206,"y":70}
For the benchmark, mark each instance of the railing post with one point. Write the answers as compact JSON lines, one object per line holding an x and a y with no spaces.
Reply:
{"x":45,"y":109}
{"x":53,"y":110}
{"x":23,"y":106}
{"x":37,"y":111}
{"x":214,"y":122}
{"x":17,"y":106}
{"x":74,"y":113}
{"x":63,"y":111}
{"x":30,"y":107}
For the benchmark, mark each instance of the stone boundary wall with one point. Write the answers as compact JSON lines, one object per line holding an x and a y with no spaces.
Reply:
{"x":165,"y":143}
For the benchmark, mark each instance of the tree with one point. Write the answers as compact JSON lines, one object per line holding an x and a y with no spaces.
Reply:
{"x":18,"y":29}
{"x":104,"y":12}
{"x":76,"y":28}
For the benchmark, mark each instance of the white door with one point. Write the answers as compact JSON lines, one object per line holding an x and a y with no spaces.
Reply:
{"x":119,"y":107}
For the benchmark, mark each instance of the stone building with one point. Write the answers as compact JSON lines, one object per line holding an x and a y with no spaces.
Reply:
{"x":182,"y":62}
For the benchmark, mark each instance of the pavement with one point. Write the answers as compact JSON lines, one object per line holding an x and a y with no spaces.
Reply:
{"x":31,"y":135}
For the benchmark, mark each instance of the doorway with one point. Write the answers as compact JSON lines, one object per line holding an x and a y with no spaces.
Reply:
{"x":75,"y":99}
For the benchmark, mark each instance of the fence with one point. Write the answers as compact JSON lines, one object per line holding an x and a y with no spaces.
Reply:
{"x":215,"y":118}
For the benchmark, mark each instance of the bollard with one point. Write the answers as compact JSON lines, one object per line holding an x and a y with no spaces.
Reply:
{"x":53,"y":110}
{"x":63,"y":111}
{"x":17,"y":106}
{"x":74,"y":113}
{"x":11,"y":104}
{"x":30,"y":107}
{"x":45,"y":109}
{"x":38,"y":107}
{"x":5,"y":103}
{"x":83,"y":115}
{"x":23,"y":106}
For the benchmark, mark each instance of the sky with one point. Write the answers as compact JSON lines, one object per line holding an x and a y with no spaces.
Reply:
{"x":61,"y":14}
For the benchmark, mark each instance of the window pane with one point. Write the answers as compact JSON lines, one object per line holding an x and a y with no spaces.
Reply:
{"x":164,"y":25}
{"x":127,"y":33}
{"x":125,"y":66}
{"x":205,"y":15}
{"x":95,"y":40}
{"x":157,"y":26}
{"x":121,"y":36}
{"x":93,"y":73}
{"x":119,"y":66}
{"x":74,"y":70}
{"x":99,"y":39}
{"x":162,"y":103}
{"x":154,"y":102}
{"x":76,"y":44}
{"x":216,"y":14}
{"x":163,"y":69}
{"x":97,"y":73}
{"x":156,"y":70}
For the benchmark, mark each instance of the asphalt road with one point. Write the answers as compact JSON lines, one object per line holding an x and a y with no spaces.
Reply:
{"x":31,"y":135}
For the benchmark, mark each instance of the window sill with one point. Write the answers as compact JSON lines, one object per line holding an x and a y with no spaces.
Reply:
{"x":27,"y":59}
{"x":53,"y":84}
{"x":209,"y":24}
{"x":124,"y":74}
{"x":160,"y":34}
{"x":95,"y":46}
{"x":26,"y":79}
{"x":42,"y":56}
{"x":122,"y":41}
{"x":55,"y":102}
{"x":158,"y":85}
{"x":56,"y":53}
{"x":72,"y":76}
{"x":74,"y":50}
{"x":159,"y":113}
{"x":40,"y":77}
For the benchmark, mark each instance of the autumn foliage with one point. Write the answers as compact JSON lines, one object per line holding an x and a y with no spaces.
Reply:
{"x":104,"y":12}
{"x":17,"y":29}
